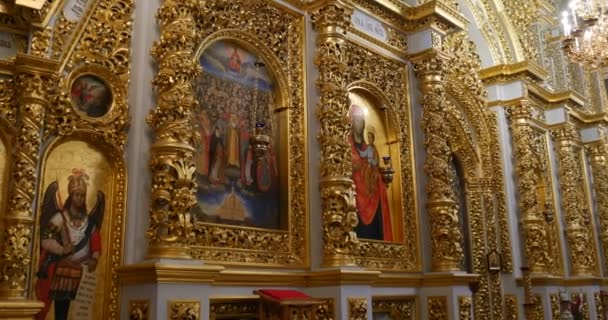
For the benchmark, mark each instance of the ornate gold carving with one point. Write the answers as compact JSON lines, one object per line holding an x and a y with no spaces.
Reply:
{"x":335,"y":165}
{"x":277,"y":35}
{"x":541,"y":240}
{"x":325,"y":310}
{"x":576,"y":213}
{"x":474,"y":140}
{"x":34,"y":88}
{"x":522,"y":18}
{"x":399,"y":307}
{"x":8,"y":102}
{"x":41,"y":42}
{"x":438,"y":308}
{"x":539,"y":312}
{"x":599,"y":306}
{"x":441,"y":207}
{"x":357,"y":308}
{"x":598,"y":153}
{"x":233,"y":307}
{"x":555,"y":311}
{"x":184,"y":310}
{"x":173,"y":179}
{"x":139,"y":309}
{"x":511,"y":312}
{"x":464,"y":308}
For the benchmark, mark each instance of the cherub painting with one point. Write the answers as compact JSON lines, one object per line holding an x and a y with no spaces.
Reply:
{"x":70,"y":241}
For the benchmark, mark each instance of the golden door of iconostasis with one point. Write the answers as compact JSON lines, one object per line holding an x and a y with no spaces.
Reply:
{"x":64,"y":116}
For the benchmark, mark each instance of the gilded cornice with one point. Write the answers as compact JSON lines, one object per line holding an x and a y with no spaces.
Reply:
{"x":524,"y":70}
{"x":157,"y":272}
{"x":399,"y":15}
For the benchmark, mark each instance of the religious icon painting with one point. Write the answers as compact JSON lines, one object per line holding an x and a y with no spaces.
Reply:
{"x":91,"y":95}
{"x":377,"y":186}
{"x":251,"y":179}
{"x":237,"y":99}
{"x":74,"y":244}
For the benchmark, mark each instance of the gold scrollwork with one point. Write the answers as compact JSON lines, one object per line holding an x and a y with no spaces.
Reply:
{"x":438,"y":308}
{"x":184,"y":310}
{"x":357,"y":308}
{"x":398,"y":307}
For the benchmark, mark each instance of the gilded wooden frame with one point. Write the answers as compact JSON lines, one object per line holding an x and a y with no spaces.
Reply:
{"x":369,"y":71}
{"x":264,"y":248}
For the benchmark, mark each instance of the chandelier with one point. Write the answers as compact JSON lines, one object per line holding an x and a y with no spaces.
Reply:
{"x":585,"y":26}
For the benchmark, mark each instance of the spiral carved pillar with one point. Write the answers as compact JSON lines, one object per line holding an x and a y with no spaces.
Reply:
{"x":171,"y":164}
{"x":34,"y":78}
{"x":336,"y":186}
{"x":529,"y":173}
{"x":442,"y":208}
{"x":579,"y":232}
{"x":598,"y":153}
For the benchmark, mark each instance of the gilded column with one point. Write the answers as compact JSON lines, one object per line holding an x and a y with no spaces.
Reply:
{"x":529,"y":174}
{"x":598,"y":153}
{"x":442,"y":208}
{"x":579,"y":234}
{"x":171,"y":164}
{"x":336,"y":186}
{"x":34,"y":78}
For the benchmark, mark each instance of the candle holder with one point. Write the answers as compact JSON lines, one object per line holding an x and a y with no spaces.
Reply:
{"x":260,"y":141}
{"x":387,"y":171}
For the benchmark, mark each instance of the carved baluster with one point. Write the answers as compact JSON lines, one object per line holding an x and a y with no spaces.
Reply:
{"x":34,"y":80}
{"x":598,"y":153}
{"x":337,"y":190}
{"x":172,"y":165}
{"x":579,"y":234}
{"x":442,"y":208}
{"x":529,"y":172}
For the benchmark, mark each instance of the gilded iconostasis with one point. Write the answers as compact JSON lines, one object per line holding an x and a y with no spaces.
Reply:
{"x":363,"y":159}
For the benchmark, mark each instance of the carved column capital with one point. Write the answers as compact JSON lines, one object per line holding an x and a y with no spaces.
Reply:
{"x":332,"y":20}
{"x":430,"y":62}
{"x":35,"y":79}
